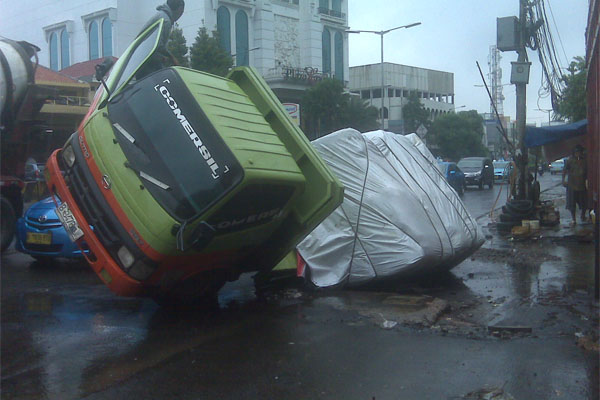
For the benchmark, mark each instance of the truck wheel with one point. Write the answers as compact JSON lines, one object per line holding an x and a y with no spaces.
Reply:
{"x":8,"y":223}
{"x":200,"y":292}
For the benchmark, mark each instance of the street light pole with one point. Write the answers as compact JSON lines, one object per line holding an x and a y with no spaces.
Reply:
{"x":382,"y":33}
{"x":382,"y":87}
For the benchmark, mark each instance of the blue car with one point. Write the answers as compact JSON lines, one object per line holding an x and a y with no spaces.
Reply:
{"x":454,"y":176}
{"x":502,"y":170}
{"x":41,"y":235}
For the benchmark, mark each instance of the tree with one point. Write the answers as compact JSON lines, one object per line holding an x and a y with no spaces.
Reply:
{"x":360,"y":116}
{"x":458,"y":135}
{"x":326,"y":108}
{"x":415,"y":114}
{"x":206,"y":54}
{"x":572,"y":103}
{"x":177,"y":46}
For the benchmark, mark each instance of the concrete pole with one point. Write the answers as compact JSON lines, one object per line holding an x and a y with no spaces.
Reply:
{"x":382,"y":83}
{"x":522,"y":187}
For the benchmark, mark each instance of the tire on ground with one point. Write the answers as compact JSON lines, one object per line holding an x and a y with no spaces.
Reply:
{"x":8,"y":223}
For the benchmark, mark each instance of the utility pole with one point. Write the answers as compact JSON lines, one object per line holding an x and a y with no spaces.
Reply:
{"x":522,"y":159}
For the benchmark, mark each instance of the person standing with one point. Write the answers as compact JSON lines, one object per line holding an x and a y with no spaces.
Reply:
{"x":170,"y":12}
{"x":574,"y":178}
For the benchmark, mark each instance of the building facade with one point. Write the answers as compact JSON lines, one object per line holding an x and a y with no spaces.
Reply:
{"x":435,"y":90}
{"x":292,"y":43}
{"x":493,"y":139}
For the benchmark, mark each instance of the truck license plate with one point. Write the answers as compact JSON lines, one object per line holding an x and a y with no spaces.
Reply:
{"x":38,"y":238}
{"x":68,"y":220}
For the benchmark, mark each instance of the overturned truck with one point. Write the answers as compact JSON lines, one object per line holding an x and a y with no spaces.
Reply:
{"x":179,"y":181}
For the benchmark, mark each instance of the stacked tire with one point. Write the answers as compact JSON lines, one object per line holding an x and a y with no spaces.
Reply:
{"x":513,"y":213}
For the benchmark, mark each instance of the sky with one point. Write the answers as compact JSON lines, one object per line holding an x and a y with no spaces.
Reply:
{"x":454,"y":35}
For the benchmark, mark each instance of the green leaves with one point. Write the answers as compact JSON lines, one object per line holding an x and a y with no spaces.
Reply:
{"x":458,"y":135}
{"x":177,"y":46}
{"x":326,"y":108}
{"x":415,"y":114}
{"x":206,"y":54}
{"x":572,"y":104}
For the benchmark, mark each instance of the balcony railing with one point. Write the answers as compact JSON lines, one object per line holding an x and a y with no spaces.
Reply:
{"x":332,"y":13}
{"x":69,"y":101}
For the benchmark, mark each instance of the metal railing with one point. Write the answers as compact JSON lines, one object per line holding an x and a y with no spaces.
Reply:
{"x":69,"y":101}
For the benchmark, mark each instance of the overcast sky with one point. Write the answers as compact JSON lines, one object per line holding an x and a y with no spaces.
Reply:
{"x":456,"y":34}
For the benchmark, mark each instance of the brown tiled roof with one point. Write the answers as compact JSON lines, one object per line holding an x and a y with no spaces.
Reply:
{"x":43,"y":74}
{"x":83,"y":69}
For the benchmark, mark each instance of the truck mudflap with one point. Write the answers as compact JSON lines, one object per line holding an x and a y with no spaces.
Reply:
{"x":99,"y":259}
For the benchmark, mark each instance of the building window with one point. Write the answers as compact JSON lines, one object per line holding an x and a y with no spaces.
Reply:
{"x":242,"y":48}
{"x":377,"y":93}
{"x":365,"y":94}
{"x":326,"y":50}
{"x":385,"y":113}
{"x":106,"y":38}
{"x":93,"y":40}
{"x":336,"y":7}
{"x":64,"y":49}
{"x":324,"y":4}
{"x":224,"y":28}
{"x":54,"y":51}
{"x":390,"y":93}
{"x":339,"y":56}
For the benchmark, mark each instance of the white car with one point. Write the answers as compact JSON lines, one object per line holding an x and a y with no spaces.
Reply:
{"x":557,"y":167}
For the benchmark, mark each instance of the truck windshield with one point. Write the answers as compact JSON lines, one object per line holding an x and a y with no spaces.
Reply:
{"x":137,"y":57}
{"x":172,"y":146}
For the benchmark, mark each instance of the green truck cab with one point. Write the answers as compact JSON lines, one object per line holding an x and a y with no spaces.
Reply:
{"x":179,"y":180}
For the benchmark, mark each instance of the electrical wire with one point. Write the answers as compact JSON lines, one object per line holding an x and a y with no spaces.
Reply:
{"x":541,"y":40}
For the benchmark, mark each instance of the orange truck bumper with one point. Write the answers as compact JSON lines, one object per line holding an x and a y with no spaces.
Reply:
{"x":99,"y":259}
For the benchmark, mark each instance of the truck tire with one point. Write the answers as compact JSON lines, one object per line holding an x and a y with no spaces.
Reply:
{"x":8,"y":223}
{"x":197,"y":293}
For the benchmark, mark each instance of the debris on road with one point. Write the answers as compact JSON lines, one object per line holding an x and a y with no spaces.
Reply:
{"x":489,"y":394}
{"x":497,"y":329}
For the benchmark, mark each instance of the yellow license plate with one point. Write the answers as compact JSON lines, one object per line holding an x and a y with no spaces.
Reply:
{"x":39,"y":238}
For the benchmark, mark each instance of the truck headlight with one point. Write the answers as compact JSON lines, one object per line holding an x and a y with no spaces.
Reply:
{"x":127,"y":259}
{"x":68,"y":155}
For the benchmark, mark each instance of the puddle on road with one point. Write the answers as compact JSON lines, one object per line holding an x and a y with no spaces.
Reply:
{"x":534,"y":271}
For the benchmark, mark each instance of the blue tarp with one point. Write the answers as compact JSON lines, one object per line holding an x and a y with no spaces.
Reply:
{"x":535,"y":137}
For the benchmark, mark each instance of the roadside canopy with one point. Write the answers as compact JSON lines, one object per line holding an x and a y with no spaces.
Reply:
{"x":399,"y":216}
{"x":558,"y":140}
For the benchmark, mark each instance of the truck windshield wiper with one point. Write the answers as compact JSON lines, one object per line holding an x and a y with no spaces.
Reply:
{"x":153,"y":180}
{"x":123,"y":132}
{"x":148,"y":178}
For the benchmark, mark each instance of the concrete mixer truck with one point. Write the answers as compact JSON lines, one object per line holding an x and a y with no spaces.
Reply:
{"x":20,"y":103}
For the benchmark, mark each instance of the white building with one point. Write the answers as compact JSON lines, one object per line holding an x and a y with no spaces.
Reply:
{"x":435,"y":90}
{"x":292,"y":43}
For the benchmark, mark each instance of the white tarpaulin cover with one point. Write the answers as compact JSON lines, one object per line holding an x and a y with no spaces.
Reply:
{"x":399,"y":215}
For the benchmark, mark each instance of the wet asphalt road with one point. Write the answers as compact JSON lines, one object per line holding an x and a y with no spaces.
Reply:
{"x":65,"y":336}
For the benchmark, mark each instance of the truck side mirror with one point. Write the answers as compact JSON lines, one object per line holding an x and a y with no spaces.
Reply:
{"x":202,"y":235}
{"x":103,"y":68}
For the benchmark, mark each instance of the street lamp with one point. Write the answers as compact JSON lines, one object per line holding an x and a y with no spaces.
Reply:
{"x":382,"y":33}
{"x":456,"y":108}
{"x":246,"y":52}
{"x":546,"y":111}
